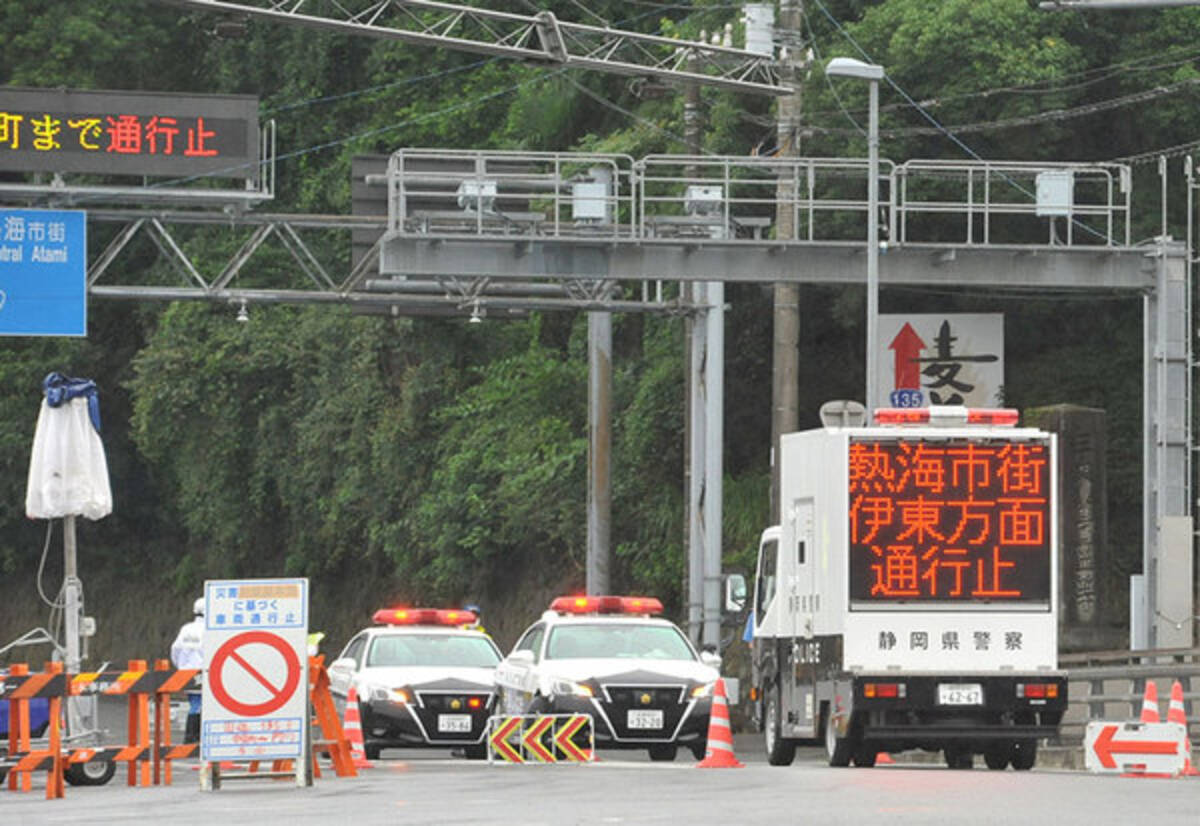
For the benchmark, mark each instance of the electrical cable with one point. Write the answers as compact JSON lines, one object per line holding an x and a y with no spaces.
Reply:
{"x":42,"y":565}
{"x":937,"y":126}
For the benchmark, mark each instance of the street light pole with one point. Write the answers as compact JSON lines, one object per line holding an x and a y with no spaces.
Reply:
{"x":849,"y":67}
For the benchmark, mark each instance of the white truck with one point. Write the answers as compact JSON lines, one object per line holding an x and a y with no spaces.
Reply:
{"x":908,"y":598}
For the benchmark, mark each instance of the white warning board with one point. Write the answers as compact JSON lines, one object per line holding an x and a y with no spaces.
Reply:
{"x":1147,"y":748}
{"x":255,"y":702}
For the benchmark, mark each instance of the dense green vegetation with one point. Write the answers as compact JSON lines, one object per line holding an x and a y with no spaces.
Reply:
{"x":431,"y":460}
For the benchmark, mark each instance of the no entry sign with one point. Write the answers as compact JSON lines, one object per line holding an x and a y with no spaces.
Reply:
{"x":255,"y":651}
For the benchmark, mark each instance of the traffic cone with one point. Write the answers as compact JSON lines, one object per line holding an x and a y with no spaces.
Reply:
{"x":1176,"y":714}
{"x":883,"y":759}
{"x":1150,"y":703}
{"x":718,"y":754}
{"x":352,"y":727}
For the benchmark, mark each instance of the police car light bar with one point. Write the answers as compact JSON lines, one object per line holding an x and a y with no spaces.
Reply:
{"x":947,"y":415}
{"x":423,"y":616}
{"x":606,"y":605}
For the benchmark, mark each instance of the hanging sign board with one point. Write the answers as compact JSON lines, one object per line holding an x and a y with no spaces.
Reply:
{"x":255,"y":703}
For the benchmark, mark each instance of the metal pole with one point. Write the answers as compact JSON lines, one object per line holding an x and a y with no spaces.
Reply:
{"x":873,"y":249}
{"x":70,"y":596}
{"x":697,"y":344}
{"x":714,"y":395}
{"x":599,"y":504}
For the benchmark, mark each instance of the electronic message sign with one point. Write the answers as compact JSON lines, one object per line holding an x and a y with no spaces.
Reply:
{"x":128,"y":133}
{"x":949,"y":521}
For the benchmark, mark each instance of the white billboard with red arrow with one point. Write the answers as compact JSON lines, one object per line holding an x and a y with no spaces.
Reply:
{"x":933,"y":358}
{"x":1139,"y":748}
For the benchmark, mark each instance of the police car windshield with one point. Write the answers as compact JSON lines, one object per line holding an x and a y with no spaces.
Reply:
{"x":432,"y":649}
{"x":617,"y":641}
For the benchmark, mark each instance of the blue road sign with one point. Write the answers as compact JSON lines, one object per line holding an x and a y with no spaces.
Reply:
{"x":43,"y":272}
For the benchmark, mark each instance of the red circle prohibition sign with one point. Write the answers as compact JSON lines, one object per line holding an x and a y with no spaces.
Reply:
{"x":279,"y":694}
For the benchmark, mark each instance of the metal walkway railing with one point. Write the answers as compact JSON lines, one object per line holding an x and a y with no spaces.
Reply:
{"x":754,"y":200}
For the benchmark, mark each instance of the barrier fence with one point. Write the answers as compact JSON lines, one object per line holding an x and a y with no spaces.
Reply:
{"x":148,"y":750}
{"x":541,"y":738}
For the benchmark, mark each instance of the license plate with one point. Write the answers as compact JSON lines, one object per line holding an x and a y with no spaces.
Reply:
{"x":960,"y":694}
{"x":643,"y":718}
{"x":456,"y":723}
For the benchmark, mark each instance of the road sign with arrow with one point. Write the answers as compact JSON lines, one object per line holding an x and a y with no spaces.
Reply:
{"x":1147,"y":748}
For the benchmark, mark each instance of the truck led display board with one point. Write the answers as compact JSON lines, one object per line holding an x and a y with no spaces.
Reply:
{"x":949,"y":521}
{"x":128,"y":133}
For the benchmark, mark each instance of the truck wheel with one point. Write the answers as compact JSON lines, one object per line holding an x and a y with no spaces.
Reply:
{"x":837,"y":749}
{"x":780,"y":750}
{"x":997,"y":757}
{"x":91,"y":773}
{"x":958,"y":757}
{"x":1024,"y":754}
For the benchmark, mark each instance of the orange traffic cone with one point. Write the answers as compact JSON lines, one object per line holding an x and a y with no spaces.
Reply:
{"x":1150,"y":703}
{"x":352,"y":727}
{"x":719,"y":752}
{"x":883,"y":759}
{"x":1176,"y":714}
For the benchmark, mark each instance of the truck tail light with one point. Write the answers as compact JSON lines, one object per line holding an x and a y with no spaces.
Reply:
{"x":890,"y":691}
{"x":1037,"y":691}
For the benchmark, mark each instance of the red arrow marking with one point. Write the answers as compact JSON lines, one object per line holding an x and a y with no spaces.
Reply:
{"x":566,"y":732}
{"x":499,"y":740}
{"x":532,"y":739}
{"x":1105,"y":747}
{"x":908,"y":346}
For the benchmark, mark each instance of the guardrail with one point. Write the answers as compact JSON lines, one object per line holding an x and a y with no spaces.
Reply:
{"x":1110,"y":685}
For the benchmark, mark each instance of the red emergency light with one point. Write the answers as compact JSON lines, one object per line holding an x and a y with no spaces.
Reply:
{"x":424,"y":616}
{"x":947,"y":415}
{"x":606,"y":605}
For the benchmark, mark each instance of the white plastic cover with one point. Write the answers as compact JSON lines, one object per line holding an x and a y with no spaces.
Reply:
{"x":68,"y":473}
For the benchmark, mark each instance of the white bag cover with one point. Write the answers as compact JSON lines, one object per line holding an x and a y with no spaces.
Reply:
{"x":68,"y":473}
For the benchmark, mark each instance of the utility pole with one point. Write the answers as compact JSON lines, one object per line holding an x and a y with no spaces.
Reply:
{"x":785,"y":361}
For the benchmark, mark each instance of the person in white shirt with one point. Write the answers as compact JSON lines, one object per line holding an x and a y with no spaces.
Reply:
{"x":188,"y":652}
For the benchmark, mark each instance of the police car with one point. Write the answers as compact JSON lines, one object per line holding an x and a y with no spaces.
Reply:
{"x":637,"y":675}
{"x":423,"y":678}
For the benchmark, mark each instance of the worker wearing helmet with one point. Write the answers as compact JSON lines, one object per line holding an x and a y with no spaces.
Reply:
{"x":188,"y":652}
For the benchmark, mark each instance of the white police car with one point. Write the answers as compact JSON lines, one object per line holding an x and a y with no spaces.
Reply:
{"x":637,"y":675}
{"x":422,"y":678}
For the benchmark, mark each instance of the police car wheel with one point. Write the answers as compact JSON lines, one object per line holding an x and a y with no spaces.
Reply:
{"x":478,"y":752}
{"x":700,"y":750}
{"x":371,"y":750}
{"x":662,"y":751}
{"x":91,"y":773}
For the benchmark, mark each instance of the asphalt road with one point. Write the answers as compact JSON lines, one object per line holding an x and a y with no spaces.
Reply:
{"x":432,"y":787}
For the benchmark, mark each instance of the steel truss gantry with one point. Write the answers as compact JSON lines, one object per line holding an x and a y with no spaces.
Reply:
{"x":541,"y":38}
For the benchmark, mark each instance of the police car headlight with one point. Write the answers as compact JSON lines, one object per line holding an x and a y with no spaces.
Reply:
{"x":566,"y":688}
{"x":703,"y":690}
{"x":383,"y":694}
